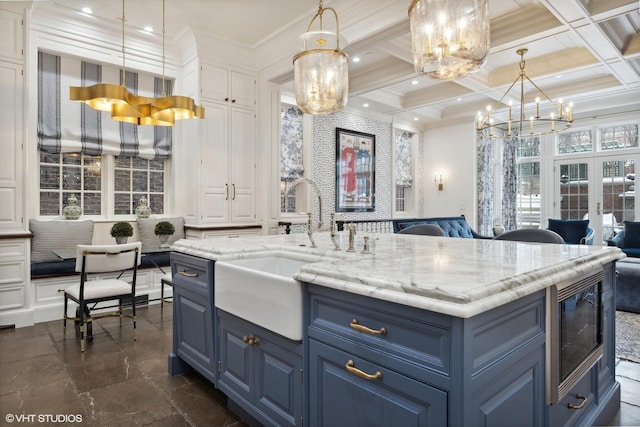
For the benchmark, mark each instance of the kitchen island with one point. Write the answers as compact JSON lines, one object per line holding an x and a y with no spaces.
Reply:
{"x":421,"y":331}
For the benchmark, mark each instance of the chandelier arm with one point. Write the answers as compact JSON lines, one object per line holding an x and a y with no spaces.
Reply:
{"x":538,"y":89}
{"x":509,"y":90}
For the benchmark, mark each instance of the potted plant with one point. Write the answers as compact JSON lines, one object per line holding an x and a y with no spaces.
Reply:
{"x":121,"y":230}
{"x":163,"y":230}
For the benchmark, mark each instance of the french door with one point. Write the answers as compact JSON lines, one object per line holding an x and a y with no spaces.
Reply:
{"x":600,"y":188}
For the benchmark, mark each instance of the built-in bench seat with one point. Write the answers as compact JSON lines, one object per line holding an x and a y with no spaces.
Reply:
{"x":50,"y":273}
{"x":67,"y":267}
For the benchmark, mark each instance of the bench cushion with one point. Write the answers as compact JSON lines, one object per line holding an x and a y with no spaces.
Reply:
{"x":51,"y":235}
{"x":456,"y":226}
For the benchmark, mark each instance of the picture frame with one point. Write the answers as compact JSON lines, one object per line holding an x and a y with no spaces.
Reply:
{"x":355,"y":171}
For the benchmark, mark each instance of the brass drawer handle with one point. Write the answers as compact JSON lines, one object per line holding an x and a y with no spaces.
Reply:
{"x":226,"y":191}
{"x":187,"y":274}
{"x":355,"y":371}
{"x":581,"y":405}
{"x":358,"y":327}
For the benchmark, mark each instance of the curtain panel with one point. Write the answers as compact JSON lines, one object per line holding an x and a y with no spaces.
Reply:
{"x":291,"y":166}
{"x":486,"y":184}
{"x":403,"y":159}
{"x":66,"y":126}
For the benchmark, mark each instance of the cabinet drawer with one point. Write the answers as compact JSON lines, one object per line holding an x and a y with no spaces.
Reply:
{"x":351,"y":391}
{"x":583,"y":392}
{"x":413,"y":336}
{"x":191,"y":272}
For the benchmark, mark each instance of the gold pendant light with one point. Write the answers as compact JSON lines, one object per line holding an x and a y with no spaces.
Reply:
{"x":449,"y":38}
{"x":125,"y":106}
{"x":560,"y":116}
{"x":321,"y":73}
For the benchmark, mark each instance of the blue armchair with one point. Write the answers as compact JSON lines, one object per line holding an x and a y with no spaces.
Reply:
{"x":573,"y":231}
{"x":628,"y":239}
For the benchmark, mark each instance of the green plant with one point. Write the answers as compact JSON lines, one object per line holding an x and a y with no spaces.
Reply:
{"x":164,"y":227}
{"x":121,"y":229}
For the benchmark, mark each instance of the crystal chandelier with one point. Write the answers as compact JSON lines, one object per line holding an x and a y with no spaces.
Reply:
{"x":321,"y":73}
{"x":559,"y":118}
{"x":449,"y":38}
{"x":125,"y":106}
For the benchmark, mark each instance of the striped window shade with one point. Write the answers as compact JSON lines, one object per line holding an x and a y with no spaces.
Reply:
{"x":403,"y":159}
{"x":66,"y":126}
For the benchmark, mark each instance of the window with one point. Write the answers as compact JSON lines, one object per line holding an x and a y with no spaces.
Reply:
{"x":528,"y":200}
{"x":575,"y":142}
{"x":83,"y":152}
{"x":136,"y":178}
{"x":64,"y":175}
{"x":616,"y":137}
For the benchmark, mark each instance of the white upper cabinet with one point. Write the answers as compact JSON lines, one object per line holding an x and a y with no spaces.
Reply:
{"x":223,"y":85}
{"x":11,"y":34}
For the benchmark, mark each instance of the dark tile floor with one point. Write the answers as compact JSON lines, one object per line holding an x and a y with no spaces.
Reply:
{"x":122,"y":382}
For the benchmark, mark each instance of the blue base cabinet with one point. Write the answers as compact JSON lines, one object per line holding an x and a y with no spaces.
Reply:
{"x":348,"y":391}
{"x":260,"y":371}
{"x":193,"y":316}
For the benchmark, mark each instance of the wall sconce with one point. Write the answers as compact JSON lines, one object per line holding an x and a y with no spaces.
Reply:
{"x":438,"y":182}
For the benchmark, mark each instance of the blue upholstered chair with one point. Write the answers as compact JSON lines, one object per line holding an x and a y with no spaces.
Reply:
{"x":628,"y":239}
{"x":423,"y":230}
{"x":538,"y":235}
{"x":573,"y":231}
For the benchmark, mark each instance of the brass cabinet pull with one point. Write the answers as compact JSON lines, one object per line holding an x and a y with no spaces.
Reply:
{"x":226,"y":191}
{"x":358,"y":327}
{"x":581,"y":405}
{"x":233,"y":191}
{"x":187,"y":274}
{"x":251,"y":340}
{"x":355,"y":371}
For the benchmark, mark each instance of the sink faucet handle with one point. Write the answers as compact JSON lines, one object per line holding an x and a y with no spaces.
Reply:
{"x":365,"y":250}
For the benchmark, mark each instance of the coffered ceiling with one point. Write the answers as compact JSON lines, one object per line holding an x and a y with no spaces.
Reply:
{"x":585,"y":51}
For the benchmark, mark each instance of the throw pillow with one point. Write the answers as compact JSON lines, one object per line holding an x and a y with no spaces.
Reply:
{"x":146,"y":228}
{"x":571,"y":230}
{"x":53,"y":235}
{"x":631,"y":234}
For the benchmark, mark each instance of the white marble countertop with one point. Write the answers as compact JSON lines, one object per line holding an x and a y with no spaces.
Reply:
{"x":454,"y":276}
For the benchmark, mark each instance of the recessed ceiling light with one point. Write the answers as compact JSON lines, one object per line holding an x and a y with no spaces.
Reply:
{"x":365,"y":105}
{"x":356,"y":59}
{"x":459,"y":99}
{"x":415,"y":119}
{"x":414,"y":82}
{"x":558,"y":76}
{"x":148,"y":29}
{"x":87,"y":10}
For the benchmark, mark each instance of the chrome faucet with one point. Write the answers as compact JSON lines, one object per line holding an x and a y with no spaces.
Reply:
{"x":317,"y":190}
{"x":352,"y":237}
{"x":332,"y":232}
{"x":310,"y":232}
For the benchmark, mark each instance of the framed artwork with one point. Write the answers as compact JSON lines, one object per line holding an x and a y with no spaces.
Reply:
{"x":355,"y":171}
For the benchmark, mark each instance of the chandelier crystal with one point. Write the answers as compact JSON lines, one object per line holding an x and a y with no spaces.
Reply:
{"x":523,"y":122}
{"x":321,"y":73}
{"x":449,"y":38}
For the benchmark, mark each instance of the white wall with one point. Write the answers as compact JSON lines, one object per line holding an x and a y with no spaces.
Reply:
{"x":450,"y":151}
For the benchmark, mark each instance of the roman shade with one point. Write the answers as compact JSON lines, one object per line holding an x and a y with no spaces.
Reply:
{"x":66,"y":126}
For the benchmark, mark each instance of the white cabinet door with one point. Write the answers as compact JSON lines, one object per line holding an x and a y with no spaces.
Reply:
{"x":243,"y":165}
{"x":243,"y":89}
{"x":228,"y":164}
{"x":222,"y":85}
{"x":215,"y":164}
{"x":11,"y":38}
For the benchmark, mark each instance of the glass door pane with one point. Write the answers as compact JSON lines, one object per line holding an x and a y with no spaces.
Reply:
{"x":618,"y":195}
{"x":574,"y":190}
